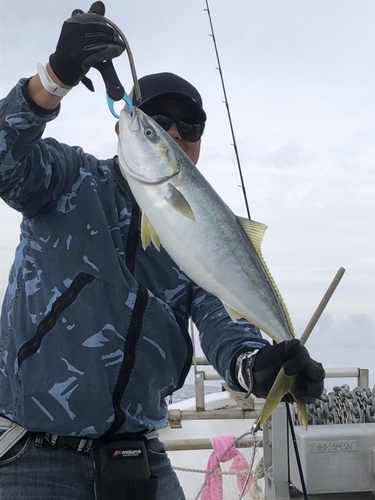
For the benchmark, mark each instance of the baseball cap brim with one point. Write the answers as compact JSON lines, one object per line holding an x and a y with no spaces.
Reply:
{"x":168,"y":86}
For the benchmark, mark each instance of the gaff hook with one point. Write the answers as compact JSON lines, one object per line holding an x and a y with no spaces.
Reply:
{"x":114,"y":88}
{"x":111,"y":104}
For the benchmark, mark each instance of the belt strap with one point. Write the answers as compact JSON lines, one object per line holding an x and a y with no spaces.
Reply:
{"x":79,"y":444}
{"x":11,"y":435}
{"x":14,"y":432}
{"x":152,"y":435}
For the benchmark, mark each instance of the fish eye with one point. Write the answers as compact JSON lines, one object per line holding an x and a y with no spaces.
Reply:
{"x":149,"y":132}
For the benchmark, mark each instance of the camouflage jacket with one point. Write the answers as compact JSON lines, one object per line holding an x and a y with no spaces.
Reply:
{"x":94,"y":330}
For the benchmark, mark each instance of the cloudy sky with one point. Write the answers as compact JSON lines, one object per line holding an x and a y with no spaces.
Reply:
{"x":299,"y":77}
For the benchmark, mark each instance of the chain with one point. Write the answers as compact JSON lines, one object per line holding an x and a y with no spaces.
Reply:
{"x":342,"y":406}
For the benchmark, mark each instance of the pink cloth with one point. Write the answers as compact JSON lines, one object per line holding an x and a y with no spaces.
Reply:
{"x":213,"y":489}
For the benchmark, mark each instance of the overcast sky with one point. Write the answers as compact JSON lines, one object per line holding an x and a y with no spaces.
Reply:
{"x":300,"y":78}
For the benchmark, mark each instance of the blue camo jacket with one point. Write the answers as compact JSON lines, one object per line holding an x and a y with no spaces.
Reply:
{"x":94,"y":330}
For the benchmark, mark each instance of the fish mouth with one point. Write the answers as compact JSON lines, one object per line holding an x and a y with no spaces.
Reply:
{"x":130,"y":119}
{"x":135,"y":123}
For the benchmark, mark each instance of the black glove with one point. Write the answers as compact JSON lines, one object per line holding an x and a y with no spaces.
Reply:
{"x":261,"y":370}
{"x":85,"y":40}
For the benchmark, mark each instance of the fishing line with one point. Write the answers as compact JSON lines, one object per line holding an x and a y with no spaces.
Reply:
{"x":212,"y":34}
{"x":290,"y":422}
{"x":296,"y":451}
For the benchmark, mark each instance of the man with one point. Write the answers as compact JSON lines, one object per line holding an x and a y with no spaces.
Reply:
{"x":94,"y":329}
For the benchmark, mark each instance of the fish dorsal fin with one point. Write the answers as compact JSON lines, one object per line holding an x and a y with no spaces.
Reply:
{"x":255,"y":232}
{"x":148,"y":234}
{"x":178,"y":201}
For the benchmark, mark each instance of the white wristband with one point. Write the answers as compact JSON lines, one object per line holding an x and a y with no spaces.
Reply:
{"x":47,"y":82}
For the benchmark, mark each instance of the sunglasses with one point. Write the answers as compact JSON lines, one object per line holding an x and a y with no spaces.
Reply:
{"x":191,"y":132}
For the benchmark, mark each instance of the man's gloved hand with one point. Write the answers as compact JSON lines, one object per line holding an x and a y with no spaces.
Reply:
{"x":85,"y":40}
{"x":260,"y":371}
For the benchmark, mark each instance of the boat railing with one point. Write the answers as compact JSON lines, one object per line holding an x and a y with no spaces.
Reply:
{"x":243,"y":408}
{"x":208,"y":373}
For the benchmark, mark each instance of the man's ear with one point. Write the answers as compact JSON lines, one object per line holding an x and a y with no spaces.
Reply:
{"x":117,"y":127}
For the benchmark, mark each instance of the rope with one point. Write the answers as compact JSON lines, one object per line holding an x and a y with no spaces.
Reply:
{"x":205,"y":471}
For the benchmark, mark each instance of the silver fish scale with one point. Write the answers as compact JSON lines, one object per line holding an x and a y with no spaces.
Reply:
{"x":342,"y":406}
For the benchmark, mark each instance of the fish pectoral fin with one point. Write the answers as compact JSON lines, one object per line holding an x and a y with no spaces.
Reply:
{"x":148,"y":234}
{"x":179,"y":202}
{"x":234,"y":315}
{"x":281,"y":386}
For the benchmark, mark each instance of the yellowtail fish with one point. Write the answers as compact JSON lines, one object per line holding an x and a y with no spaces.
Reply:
{"x":216,"y":249}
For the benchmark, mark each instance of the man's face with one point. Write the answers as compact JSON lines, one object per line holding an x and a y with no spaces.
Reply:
{"x":177,"y":109}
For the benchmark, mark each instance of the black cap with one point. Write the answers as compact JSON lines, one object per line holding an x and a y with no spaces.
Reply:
{"x":169,"y":86}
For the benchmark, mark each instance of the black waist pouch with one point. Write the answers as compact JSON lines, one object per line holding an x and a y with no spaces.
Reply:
{"x":122,"y":471}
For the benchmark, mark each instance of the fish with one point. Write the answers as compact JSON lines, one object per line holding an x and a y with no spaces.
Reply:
{"x":218,"y":250}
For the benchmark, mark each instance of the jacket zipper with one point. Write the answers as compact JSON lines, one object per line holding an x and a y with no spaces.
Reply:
{"x":189,"y":346}
{"x":128,"y":362}
{"x":63,"y":302}
{"x":132,"y":242}
{"x":135,"y":326}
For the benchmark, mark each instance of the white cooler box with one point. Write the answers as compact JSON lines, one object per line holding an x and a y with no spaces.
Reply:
{"x":335,"y":458}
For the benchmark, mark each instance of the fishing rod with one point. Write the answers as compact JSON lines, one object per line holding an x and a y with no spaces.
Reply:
{"x":289,"y":419}
{"x":212,"y":34}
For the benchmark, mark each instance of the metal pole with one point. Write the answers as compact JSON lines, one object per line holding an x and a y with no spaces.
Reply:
{"x":204,"y":444}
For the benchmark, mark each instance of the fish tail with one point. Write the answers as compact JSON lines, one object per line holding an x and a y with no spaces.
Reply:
{"x":282,"y":385}
{"x":302,"y":410}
